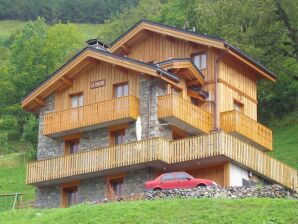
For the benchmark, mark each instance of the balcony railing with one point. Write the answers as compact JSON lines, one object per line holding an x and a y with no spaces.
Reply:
{"x":238,"y":123}
{"x":94,"y":114}
{"x":170,"y":152}
{"x":172,"y":106}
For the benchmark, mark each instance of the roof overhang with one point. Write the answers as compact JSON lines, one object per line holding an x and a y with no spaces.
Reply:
{"x":64,"y":75}
{"x":139,"y":30}
{"x":186,"y":68}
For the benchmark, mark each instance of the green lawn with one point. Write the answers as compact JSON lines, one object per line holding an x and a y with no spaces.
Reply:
{"x":7,"y":27}
{"x":285,"y":140}
{"x":165,"y":211}
{"x":12,"y":176}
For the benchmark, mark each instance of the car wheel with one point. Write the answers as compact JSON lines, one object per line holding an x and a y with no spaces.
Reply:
{"x":157,"y":189}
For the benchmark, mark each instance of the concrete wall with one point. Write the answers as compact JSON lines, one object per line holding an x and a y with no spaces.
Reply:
{"x":237,"y":174}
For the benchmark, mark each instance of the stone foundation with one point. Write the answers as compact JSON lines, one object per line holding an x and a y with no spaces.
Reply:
{"x":267,"y":191}
{"x":93,"y":189}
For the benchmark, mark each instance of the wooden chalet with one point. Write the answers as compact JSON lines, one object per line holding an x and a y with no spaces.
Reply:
{"x":195,"y":95}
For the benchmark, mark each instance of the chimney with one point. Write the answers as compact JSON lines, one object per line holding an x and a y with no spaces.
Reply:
{"x":97,"y":44}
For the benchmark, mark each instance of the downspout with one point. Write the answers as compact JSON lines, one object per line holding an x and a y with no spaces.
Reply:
{"x":216,"y":117}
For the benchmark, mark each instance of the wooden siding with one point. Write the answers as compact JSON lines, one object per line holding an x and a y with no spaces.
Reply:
{"x":98,"y":71}
{"x":215,"y":173}
{"x":238,"y":75}
{"x":93,"y":114}
{"x":174,"y":106}
{"x":227,"y":96}
{"x":170,"y":152}
{"x":156,"y":48}
{"x":234,"y":121}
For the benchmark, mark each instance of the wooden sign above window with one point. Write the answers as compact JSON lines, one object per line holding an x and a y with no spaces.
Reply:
{"x":98,"y":83}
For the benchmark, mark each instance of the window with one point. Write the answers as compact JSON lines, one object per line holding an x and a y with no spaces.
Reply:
{"x":121,"y":90}
{"x":77,"y":100}
{"x":117,"y":137}
{"x":72,"y":146}
{"x":183,"y":176}
{"x":168,"y":177}
{"x":200,"y":60}
{"x":116,"y":188}
{"x":238,"y":106}
{"x":70,"y":196}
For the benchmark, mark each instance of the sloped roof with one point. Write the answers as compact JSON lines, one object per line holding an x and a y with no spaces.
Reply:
{"x":45,"y":87}
{"x":195,"y":37}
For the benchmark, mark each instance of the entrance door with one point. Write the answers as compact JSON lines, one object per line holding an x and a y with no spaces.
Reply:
{"x":115,"y":188}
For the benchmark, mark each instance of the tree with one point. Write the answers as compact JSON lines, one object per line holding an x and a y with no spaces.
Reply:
{"x":35,"y":53}
{"x":121,"y":22}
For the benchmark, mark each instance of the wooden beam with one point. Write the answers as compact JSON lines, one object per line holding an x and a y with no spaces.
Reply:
{"x":66,"y":81}
{"x":175,"y":85}
{"x":194,"y":82}
{"x":193,"y":94}
{"x":40,"y":101}
{"x":126,"y":49}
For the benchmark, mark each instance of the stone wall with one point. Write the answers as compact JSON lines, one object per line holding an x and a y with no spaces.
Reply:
{"x":48,"y":197}
{"x":135,"y":180}
{"x":268,"y":191}
{"x":48,"y":147}
{"x":150,"y":89}
{"x":92,"y":189}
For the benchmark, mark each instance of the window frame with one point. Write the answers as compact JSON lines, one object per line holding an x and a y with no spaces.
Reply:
{"x":113,"y":135}
{"x":78,"y":94}
{"x":65,"y":195}
{"x":67,"y":143}
{"x":200,"y":55}
{"x":109,"y":190}
{"x":121,"y":84}
{"x":239,"y":104}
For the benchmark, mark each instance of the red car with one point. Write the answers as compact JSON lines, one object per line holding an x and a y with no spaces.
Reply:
{"x":177,"y":180}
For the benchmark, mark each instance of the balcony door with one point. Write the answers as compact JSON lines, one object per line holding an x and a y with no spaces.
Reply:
{"x":77,"y":101}
{"x":120,"y":91}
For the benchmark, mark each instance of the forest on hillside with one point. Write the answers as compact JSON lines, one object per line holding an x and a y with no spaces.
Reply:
{"x":76,"y":11}
{"x":265,"y":29}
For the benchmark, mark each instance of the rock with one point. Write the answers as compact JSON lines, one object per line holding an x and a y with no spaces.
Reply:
{"x":271,"y":191}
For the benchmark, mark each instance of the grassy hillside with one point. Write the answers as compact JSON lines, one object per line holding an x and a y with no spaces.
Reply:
{"x":165,"y":211}
{"x":285,"y":140}
{"x":12,"y":176}
{"x":9,"y":26}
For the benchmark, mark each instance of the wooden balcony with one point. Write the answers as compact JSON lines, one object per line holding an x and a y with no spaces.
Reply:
{"x":100,"y":161}
{"x":247,"y":129}
{"x":183,"y":114}
{"x":101,"y":114}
